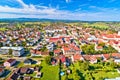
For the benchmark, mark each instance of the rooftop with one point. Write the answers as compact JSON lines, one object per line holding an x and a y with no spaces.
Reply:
{"x":13,"y":48}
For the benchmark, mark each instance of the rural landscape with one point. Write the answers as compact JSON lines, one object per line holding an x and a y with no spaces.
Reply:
{"x":59,"y":40}
{"x":67,"y":50}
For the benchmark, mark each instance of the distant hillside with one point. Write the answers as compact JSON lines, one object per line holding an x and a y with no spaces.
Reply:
{"x":41,"y":20}
{"x":34,"y":20}
{"x":103,"y":25}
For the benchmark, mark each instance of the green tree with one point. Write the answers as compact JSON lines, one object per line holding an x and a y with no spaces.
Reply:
{"x":88,"y":76}
{"x":88,"y":49}
{"x":51,"y":53}
{"x":84,"y":66}
{"x":101,"y":44}
{"x":24,"y":44}
{"x":10,"y":51}
{"x":113,"y":64}
{"x":1,"y":44}
{"x":48,"y":60}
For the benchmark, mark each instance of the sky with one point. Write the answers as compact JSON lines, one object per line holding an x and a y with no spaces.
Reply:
{"x":87,"y":10}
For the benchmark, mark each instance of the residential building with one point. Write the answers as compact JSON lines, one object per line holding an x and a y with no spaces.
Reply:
{"x":2,"y":71}
{"x":9,"y":62}
{"x":16,"y":51}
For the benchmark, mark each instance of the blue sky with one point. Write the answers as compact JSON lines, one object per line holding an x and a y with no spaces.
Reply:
{"x":88,"y":10}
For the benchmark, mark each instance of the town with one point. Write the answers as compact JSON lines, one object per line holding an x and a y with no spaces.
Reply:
{"x":36,"y":51}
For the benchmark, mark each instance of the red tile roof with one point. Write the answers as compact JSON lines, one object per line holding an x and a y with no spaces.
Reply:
{"x":54,"y":39}
{"x":99,"y":47}
{"x":77,"y":57}
{"x":35,"y":51}
{"x":66,"y":49}
{"x":76,"y":48}
{"x":115,"y":55}
{"x":106,"y":56}
{"x":62,"y":58}
{"x":11,"y":60}
{"x":56,"y":51}
{"x":90,"y":57}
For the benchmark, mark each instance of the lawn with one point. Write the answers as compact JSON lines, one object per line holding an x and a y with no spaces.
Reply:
{"x":21,"y":64}
{"x":99,"y":72}
{"x":49,"y":72}
{"x":32,"y":75}
{"x":105,"y":75}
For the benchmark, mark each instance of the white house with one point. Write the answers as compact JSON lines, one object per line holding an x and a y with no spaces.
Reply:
{"x":16,"y":51}
{"x":117,"y":60}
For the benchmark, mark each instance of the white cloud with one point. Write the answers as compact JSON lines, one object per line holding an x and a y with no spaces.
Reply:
{"x":22,"y":3}
{"x":37,"y":11}
{"x":28,"y":9}
{"x":67,"y":1}
{"x":79,"y":9}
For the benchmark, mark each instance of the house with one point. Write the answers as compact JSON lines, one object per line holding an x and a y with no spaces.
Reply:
{"x":57,"y":52}
{"x":14,"y":76}
{"x":29,"y":61}
{"x":39,"y":75}
{"x":54,"y":39}
{"x":91,"y":58}
{"x":50,"y":47}
{"x":19,"y":72}
{"x":116,"y":57}
{"x":68,"y":61}
{"x":76,"y":57}
{"x":53,"y":61}
{"x":115,"y":44}
{"x":106,"y":57}
{"x":45,"y":53}
{"x":35,"y":52}
{"x":91,"y":38}
{"x":117,"y":60}
{"x":2,"y":71}
{"x":62,"y":59}
{"x":4,"y":51}
{"x":25,"y":70}
{"x":9,"y":62}
{"x":71,"y":49}
{"x":98,"y":48}
{"x":16,"y":51}
{"x":37,"y":68}
{"x":111,"y":37}
{"x":27,"y":78}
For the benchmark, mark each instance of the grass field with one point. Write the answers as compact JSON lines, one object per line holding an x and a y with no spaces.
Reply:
{"x":49,"y":72}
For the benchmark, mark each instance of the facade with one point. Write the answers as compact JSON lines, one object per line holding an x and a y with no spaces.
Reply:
{"x":117,"y":78}
{"x":16,"y":51}
{"x":1,"y":71}
{"x":28,"y":61}
{"x":77,"y":57}
{"x":4,"y":51}
{"x":9,"y":62}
